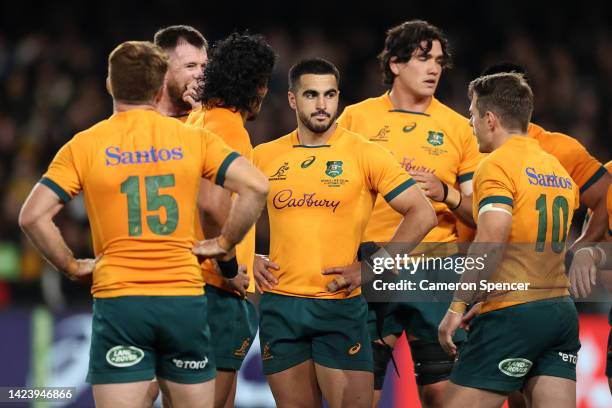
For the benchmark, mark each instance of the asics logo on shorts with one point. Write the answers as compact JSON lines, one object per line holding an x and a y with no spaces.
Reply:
{"x":355,"y":349}
{"x":191,"y":364}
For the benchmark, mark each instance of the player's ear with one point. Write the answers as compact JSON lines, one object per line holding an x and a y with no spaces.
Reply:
{"x":158,"y":96}
{"x":491,"y":120}
{"x":291,"y":99}
{"x":394,"y":66}
{"x":108,"y":86}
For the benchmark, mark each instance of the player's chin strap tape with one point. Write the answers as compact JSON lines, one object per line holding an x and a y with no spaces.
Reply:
{"x":229,"y":269}
{"x":431,"y":363}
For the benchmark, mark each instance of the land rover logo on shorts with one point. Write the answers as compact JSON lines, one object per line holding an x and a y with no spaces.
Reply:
{"x":435,"y":138}
{"x":124,"y":356}
{"x":306,"y":163}
{"x":515,"y":367}
{"x":334,"y":168}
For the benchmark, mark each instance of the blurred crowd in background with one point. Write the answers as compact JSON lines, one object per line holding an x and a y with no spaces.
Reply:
{"x":53,"y":69}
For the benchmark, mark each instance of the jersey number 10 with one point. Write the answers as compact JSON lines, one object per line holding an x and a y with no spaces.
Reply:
{"x":131,"y":187}
{"x":559,"y":205}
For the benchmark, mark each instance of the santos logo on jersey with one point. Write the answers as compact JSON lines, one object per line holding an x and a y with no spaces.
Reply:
{"x":547,"y":180}
{"x":115,"y":157}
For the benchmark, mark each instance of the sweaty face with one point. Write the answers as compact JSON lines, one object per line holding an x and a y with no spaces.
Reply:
{"x":480,"y":128}
{"x":316,"y":101}
{"x":420,"y":75}
{"x":186,"y":65}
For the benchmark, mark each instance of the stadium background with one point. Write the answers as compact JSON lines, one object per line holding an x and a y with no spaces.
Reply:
{"x":52,"y":71}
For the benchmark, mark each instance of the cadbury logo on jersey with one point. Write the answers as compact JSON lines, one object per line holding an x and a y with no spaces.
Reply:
{"x":547,"y":180}
{"x":114,"y":155}
{"x":285,"y":199}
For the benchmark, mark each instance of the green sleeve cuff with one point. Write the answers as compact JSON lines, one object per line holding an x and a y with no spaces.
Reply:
{"x":398,"y":190}
{"x":495,"y":200}
{"x":61,"y":193}
{"x":598,"y":174}
{"x":465,"y":177}
{"x":220,"y":180}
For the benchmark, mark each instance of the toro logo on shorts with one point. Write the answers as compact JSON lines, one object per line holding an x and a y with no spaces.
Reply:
{"x":124,"y":356}
{"x":515,"y":367}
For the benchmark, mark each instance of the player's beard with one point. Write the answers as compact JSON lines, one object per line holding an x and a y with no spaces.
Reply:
{"x":175,"y":92}
{"x":308,"y":121}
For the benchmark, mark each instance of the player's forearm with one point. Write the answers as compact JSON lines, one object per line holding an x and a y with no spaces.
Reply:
{"x":245,"y":211}
{"x":46,"y":237}
{"x":415,"y":225}
{"x":596,"y":227}
{"x":464,"y":210}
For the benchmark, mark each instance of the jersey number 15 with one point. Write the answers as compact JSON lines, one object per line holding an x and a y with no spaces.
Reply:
{"x":131,"y":187}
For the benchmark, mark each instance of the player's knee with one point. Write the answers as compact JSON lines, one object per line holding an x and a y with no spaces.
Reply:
{"x":431,"y":363}
{"x":381,"y":355}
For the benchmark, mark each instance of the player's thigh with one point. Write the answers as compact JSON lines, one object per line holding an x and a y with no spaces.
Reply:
{"x":123,"y":340}
{"x":340,"y":334}
{"x":296,"y":387}
{"x":233,"y":326}
{"x":345,"y":388}
{"x":224,"y":387}
{"x":189,"y":395}
{"x":284,"y":336}
{"x":545,"y":391}
{"x":184,"y":349}
{"x":458,"y":396}
{"x":124,"y":395}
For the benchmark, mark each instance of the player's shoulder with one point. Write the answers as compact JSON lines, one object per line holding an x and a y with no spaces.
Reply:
{"x":369,"y":105}
{"x":273,"y":146}
{"x":441,"y":111}
{"x":552,"y":140}
{"x":608,"y":166}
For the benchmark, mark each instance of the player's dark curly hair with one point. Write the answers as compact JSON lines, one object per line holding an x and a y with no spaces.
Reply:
{"x":239,"y":67}
{"x":404,"y":39}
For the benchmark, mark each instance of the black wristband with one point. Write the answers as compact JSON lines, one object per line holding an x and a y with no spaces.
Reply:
{"x":458,"y":204}
{"x":229,"y":269}
{"x":445,"y":189}
{"x":366,"y":249}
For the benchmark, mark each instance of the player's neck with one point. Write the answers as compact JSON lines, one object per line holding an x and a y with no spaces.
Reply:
{"x":167,"y":108}
{"x":307,"y":137}
{"x":125,"y":107}
{"x":409,"y":102}
{"x":503,"y":136}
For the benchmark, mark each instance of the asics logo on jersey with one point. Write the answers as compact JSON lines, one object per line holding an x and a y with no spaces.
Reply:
{"x":285,"y":199}
{"x":547,"y":180}
{"x":306,"y":163}
{"x":409,"y":127}
{"x":115,"y":156}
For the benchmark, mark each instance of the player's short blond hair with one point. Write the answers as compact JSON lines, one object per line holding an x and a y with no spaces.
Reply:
{"x":136,"y":71}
